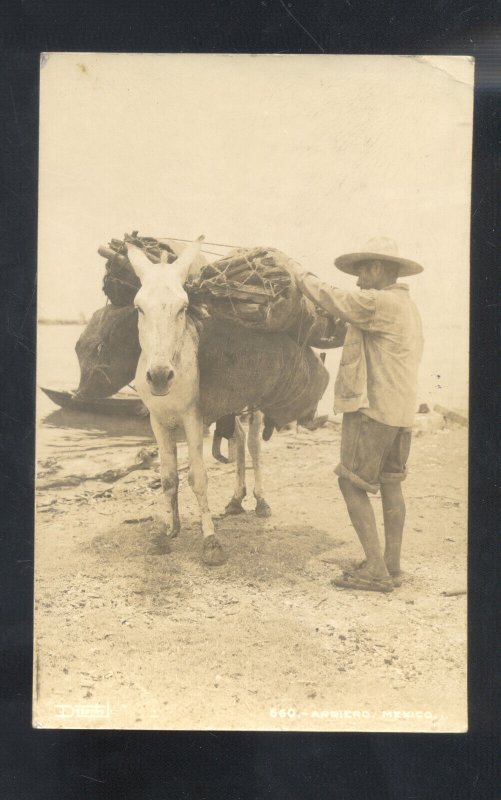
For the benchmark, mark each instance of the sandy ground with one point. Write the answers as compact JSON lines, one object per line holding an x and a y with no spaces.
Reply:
{"x":129,"y":635}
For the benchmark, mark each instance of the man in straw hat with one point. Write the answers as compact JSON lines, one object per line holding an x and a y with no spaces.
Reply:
{"x":375,"y":389}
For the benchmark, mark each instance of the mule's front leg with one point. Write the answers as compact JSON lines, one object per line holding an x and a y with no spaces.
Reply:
{"x":213,"y":553}
{"x":168,"y":473}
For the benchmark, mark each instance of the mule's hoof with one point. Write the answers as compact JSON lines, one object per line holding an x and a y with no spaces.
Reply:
{"x":234,"y":507}
{"x":213,"y":553}
{"x":172,"y":533}
{"x":262,"y":508}
{"x":160,"y":528}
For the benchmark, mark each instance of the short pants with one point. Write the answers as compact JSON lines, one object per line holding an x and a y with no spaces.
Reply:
{"x":371,"y":452}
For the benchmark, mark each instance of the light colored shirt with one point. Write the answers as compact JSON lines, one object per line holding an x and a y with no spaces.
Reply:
{"x":382,"y":350}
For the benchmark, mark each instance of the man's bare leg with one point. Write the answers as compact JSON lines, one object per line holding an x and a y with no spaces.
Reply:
{"x":364,"y":522}
{"x":394,"y":519}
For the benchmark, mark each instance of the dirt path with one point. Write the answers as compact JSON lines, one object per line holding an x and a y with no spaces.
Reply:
{"x":128,"y":635}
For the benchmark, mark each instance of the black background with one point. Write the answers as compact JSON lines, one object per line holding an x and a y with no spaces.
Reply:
{"x":153,"y":766}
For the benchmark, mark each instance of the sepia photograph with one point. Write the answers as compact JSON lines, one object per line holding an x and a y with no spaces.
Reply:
{"x":252,"y":392}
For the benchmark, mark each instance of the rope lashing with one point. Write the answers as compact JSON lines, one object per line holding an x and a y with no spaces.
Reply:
{"x":211,"y":244}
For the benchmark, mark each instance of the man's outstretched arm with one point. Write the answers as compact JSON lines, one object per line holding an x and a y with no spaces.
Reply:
{"x":357,"y":307}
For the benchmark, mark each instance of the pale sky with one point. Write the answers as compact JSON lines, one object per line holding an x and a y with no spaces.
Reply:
{"x":313,"y":155}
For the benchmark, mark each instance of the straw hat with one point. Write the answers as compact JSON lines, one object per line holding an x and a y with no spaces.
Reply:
{"x":380,"y":249}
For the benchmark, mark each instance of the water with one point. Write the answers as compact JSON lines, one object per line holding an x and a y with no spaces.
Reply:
{"x":57,"y":363}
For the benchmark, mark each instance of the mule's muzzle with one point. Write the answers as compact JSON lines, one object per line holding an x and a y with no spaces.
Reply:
{"x":160,"y":380}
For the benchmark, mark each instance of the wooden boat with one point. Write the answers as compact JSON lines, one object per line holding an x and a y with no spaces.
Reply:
{"x":121,"y":404}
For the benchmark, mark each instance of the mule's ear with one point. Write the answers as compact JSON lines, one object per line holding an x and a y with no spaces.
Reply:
{"x":138,"y":260}
{"x":183,"y":263}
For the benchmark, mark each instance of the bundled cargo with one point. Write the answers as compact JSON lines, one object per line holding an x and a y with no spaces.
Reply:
{"x":108,"y":351}
{"x":256,"y":289}
{"x":251,"y":288}
{"x":120,"y":283}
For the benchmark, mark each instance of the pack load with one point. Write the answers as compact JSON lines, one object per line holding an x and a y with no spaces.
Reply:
{"x":253,"y":288}
{"x":120,"y":282}
{"x":108,"y":351}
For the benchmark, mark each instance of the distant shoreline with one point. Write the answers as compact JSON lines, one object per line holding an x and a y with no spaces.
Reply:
{"x":62,"y":321}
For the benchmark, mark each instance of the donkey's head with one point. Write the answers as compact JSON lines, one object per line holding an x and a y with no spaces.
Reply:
{"x":162,"y":303}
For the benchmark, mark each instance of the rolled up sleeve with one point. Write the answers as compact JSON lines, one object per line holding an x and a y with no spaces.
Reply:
{"x":356,"y":307}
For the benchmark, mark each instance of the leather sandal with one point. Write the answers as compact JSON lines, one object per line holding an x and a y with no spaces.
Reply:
{"x":397,"y":577}
{"x":363,"y":581}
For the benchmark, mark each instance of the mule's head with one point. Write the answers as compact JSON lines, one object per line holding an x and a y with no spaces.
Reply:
{"x":162,"y":303}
